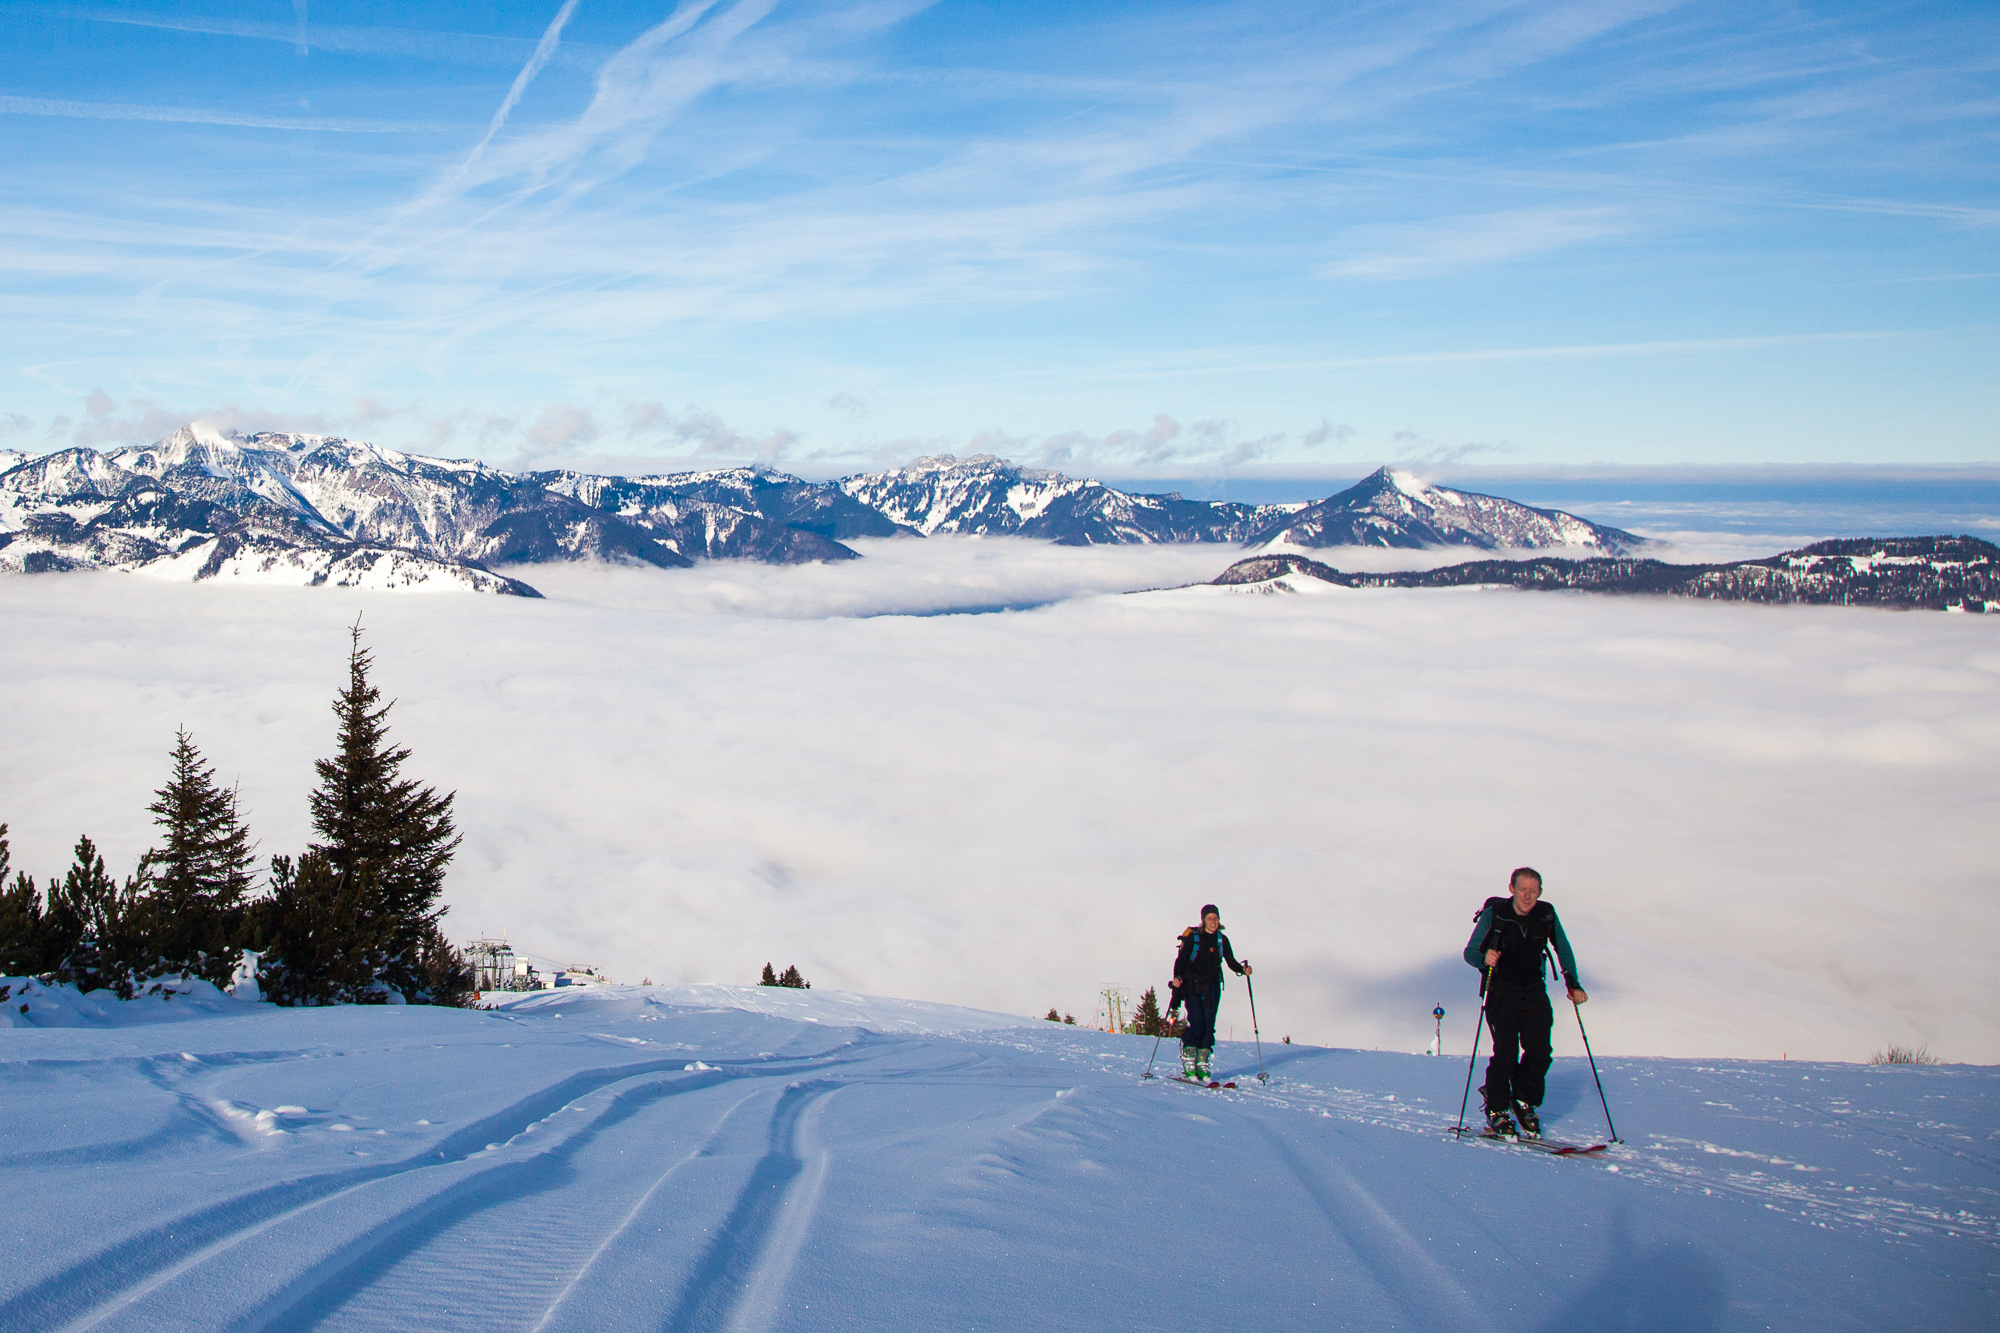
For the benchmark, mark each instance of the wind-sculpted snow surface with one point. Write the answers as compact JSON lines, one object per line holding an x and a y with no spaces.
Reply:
{"x":629,"y":1158}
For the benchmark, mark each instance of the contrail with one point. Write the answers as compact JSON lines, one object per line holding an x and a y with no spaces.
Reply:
{"x":52,"y":106}
{"x":543,"y":50}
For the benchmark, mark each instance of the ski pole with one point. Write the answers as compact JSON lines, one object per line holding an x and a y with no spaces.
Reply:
{"x":1166,"y":1026}
{"x":1593,"y":1071}
{"x":1262,"y":1077}
{"x":1477,"y":1024}
{"x":1577,"y":1009}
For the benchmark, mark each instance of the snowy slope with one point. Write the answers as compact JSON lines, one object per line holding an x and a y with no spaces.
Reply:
{"x":631,"y":1159}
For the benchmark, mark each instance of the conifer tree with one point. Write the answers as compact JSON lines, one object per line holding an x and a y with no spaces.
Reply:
{"x":444,"y":971}
{"x":324,"y":945}
{"x":1146,"y":1020}
{"x":769,"y":978}
{"x":381,"y":830}
{"x":792,"y":978}
{"x":191,"y":889}
{"x":1052,"y":1016}
{"x":21,"y":944}
{"x":84,"y":927}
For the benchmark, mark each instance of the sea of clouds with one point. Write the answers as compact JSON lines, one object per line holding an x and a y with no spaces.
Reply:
{"x":1767,"y":828}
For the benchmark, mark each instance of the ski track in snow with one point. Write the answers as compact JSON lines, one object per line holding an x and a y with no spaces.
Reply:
{"x":753,"y":1171}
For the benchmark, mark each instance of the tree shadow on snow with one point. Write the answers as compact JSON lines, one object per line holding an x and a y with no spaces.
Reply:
{"x":1670,"y":1286}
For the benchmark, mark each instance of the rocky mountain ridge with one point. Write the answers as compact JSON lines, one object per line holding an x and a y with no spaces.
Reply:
{"x":1397,"y":509}
{"x":984,"y":495}
{"x":1906,"y":573}
{"x":318,"y":509}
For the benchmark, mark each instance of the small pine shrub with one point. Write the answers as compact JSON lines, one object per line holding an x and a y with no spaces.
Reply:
{"x":1052,"y":1016}
{"x":1147,"y":1021}
{"x":1904,"y":1055}
{"x":1070,"y":1019}
{"x":769,"y":978}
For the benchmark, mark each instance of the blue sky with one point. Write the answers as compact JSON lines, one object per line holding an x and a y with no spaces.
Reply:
{"x":1160,"y":239}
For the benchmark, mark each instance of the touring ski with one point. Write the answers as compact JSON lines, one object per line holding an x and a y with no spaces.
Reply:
{"x":1203,"y":1083}
{"x":1554,"y":1147}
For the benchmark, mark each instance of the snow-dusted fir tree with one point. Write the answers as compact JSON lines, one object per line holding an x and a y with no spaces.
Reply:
{"x":85,"y":936}
{"x":189,"y":909}
{"x":384,"y":843}
{"x":20,"y":920}
{"x":322,"y":943}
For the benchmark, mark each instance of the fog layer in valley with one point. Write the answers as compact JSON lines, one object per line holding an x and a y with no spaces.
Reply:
{"x":1768,"y":828}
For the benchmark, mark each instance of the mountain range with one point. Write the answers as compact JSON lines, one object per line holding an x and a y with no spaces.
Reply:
{"x":313,"y":509}
{"x":1907,"y":573}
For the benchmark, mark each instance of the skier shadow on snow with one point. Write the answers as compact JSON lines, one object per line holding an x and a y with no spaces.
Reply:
{"x":1563,"y":1093}
{"x":1667,"y":1286}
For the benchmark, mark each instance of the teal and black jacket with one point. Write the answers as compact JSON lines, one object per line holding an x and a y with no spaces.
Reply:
{"x":1201,"y":957}
{"x":1522,"y":942}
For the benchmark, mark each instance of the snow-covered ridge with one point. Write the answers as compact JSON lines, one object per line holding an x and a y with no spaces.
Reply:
{"x":985,"y":495}
{"x":318,"y":509}
{"x":1906,"y":573}
{"x":1397,"y":508}
{"x":314,"y":509}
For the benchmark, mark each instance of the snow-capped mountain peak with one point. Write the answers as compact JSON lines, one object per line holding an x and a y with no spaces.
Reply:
{"x":199,"y":499}
{"x":1390,"y":507}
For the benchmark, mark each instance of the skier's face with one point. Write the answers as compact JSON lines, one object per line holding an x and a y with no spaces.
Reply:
{"x":1211,"y":923}
{"x":1527,"y":891}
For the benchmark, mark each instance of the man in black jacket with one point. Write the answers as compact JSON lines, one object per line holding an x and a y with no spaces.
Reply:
{"x":1508,"y":942}
{"x":1197,"y":983}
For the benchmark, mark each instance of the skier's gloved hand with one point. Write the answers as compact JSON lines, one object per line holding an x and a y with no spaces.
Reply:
{"x":1247,"y":969}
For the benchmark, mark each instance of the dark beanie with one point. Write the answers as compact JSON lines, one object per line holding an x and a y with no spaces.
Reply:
{"x":1206,"y":908}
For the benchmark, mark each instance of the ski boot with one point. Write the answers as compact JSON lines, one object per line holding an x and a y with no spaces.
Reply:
{"x":1202,"y":1056}
{"x":1190,"y":1058}
{"x":1500,"y":1125}
{"x":1529,"y":1122}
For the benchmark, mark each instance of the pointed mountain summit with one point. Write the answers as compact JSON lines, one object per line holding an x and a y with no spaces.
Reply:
{"x":1394,"y":508}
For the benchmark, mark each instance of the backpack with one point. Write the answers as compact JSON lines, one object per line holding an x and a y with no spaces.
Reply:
{"x":1533,"y":931}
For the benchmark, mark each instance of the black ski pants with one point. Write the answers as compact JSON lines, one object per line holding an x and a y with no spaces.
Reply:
{"x":1521,"y":1020}
{"x":1202,"y":1002}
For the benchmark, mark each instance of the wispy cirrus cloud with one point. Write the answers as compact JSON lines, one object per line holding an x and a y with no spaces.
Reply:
{"x":451,"y":48}
{"x":738,"y":202}
{"x":188,"y":115}
{"x":1451,"y":245}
